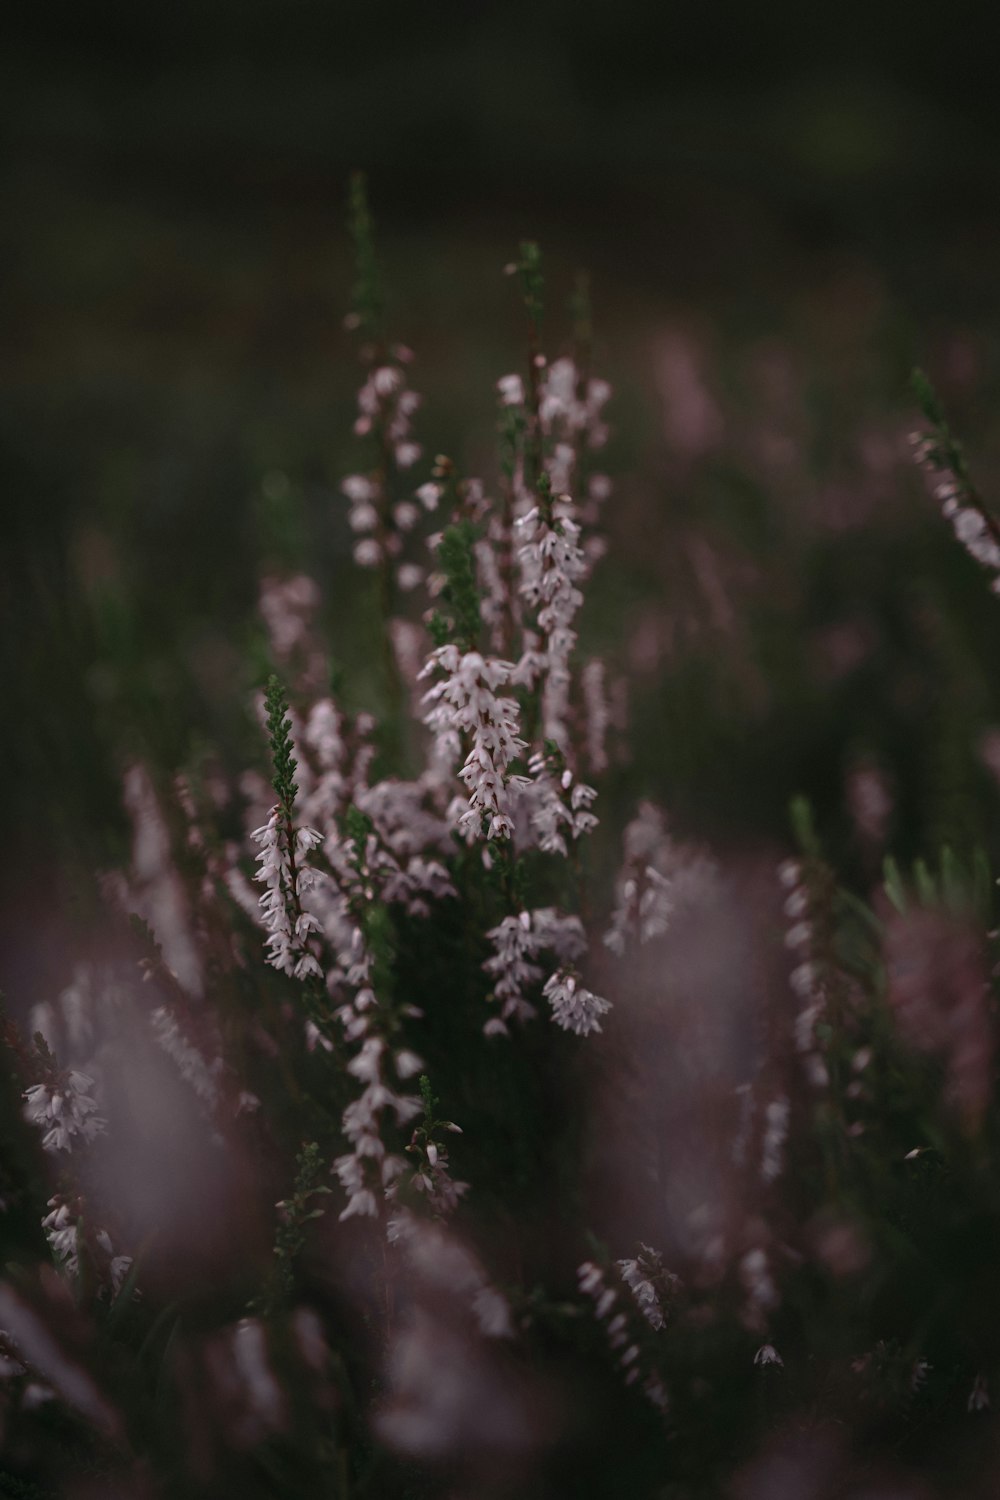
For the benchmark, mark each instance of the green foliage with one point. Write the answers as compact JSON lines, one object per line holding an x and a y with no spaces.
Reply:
{"x":529,"y":274}
{"x":804,"y":827}
{"x":960,"y":887}
{"x":456,"y":557}
{"x":511,"y":428}
{"x":283,"y":763}
{"x":927,"y":398}
{"x":290,"y":1238}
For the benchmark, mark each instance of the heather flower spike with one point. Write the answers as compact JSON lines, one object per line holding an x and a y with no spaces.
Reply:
{"x":284,"y":851}
{"x":943,"y":459}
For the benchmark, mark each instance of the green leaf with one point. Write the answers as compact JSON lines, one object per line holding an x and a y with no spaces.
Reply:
{"x":893,"y":884}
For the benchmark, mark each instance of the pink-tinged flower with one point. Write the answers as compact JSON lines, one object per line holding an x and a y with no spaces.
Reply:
{"x":464,"y":705}
{"x":574,"y":1007}
{"x":66,"y":1111}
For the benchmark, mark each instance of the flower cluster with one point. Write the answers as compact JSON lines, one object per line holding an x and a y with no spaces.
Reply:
{"x":557,"y":805}
{"x":289,"y":606}
{"x":65,"y":1110}
{"x":368,"y":1164}
{"x":810,"y":979}
{"x":942,"y":458}
{"x":385,"y":411}
{"x":286,"y":876}
{"x":657,"y":877}
{"x":627,"y":1352}
{"x":518,"y":941}
{"x":574,"y":1007}
{"x":651,"y":1285}
{"x":571,"y":412}
{"x":776,"y":1116}
{"x":464,"y":706}
{"x":552,"y":565}
{"x":65,"y":1234}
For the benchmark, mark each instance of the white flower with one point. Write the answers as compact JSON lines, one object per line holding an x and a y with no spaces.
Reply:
{"x":409,"y":577}
{"x":408,"y":1064}
{"x":363,"y":518}
{"x":65,"y":1111}
{"x":574,"y":1007}
{"x":61,"y":1232}
{"x":775,"y":1132}
{"x":464,"y":703}
{"x":359,"y":488}
{"x":289,"y":928}
{"x":756,"y":1277}
{"x":518,"y":942}
{"x":556,"y":808}
{"x":60,"y":1226}
{"x":976,"y":531}
{"x":429,"y":494}
{"x":387,"y":379}
{"x":552,"y":563}
{"x":657,"y":878}
{"x":638,"y":1275}
{"x":767,"y":1354}
{"x":510,"y":389}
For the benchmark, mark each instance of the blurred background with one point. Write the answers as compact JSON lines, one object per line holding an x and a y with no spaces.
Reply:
{"x":781,"y":211}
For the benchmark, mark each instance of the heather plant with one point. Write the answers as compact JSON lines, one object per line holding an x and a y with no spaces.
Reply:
{"x":420,"y":1127}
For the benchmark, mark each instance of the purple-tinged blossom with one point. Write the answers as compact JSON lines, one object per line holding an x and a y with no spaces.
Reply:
{"x":627,"y":1353}
{"x":776,"y":1117}
{"x":518,"y":941}
{"x":552,"y":564}
{"x":513,"y":970}
{"x":657,"y":878}
{"x":288,"y":925}
{"x":65,"y":1110}
{"x":809,"y":978}
{"x":574,"y":1007}
{"x":597,"y":715}
{"x":510,"y":389}
{"x":464,"y":705}
{"x":973,"y":526}
{"x":650,"y":1283}
{"x":289,"y":607}
{"x":558,"y":806}
{"x":755,"y":1274}
{"x":61,"y":1226}
{"x":386,"y":405}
